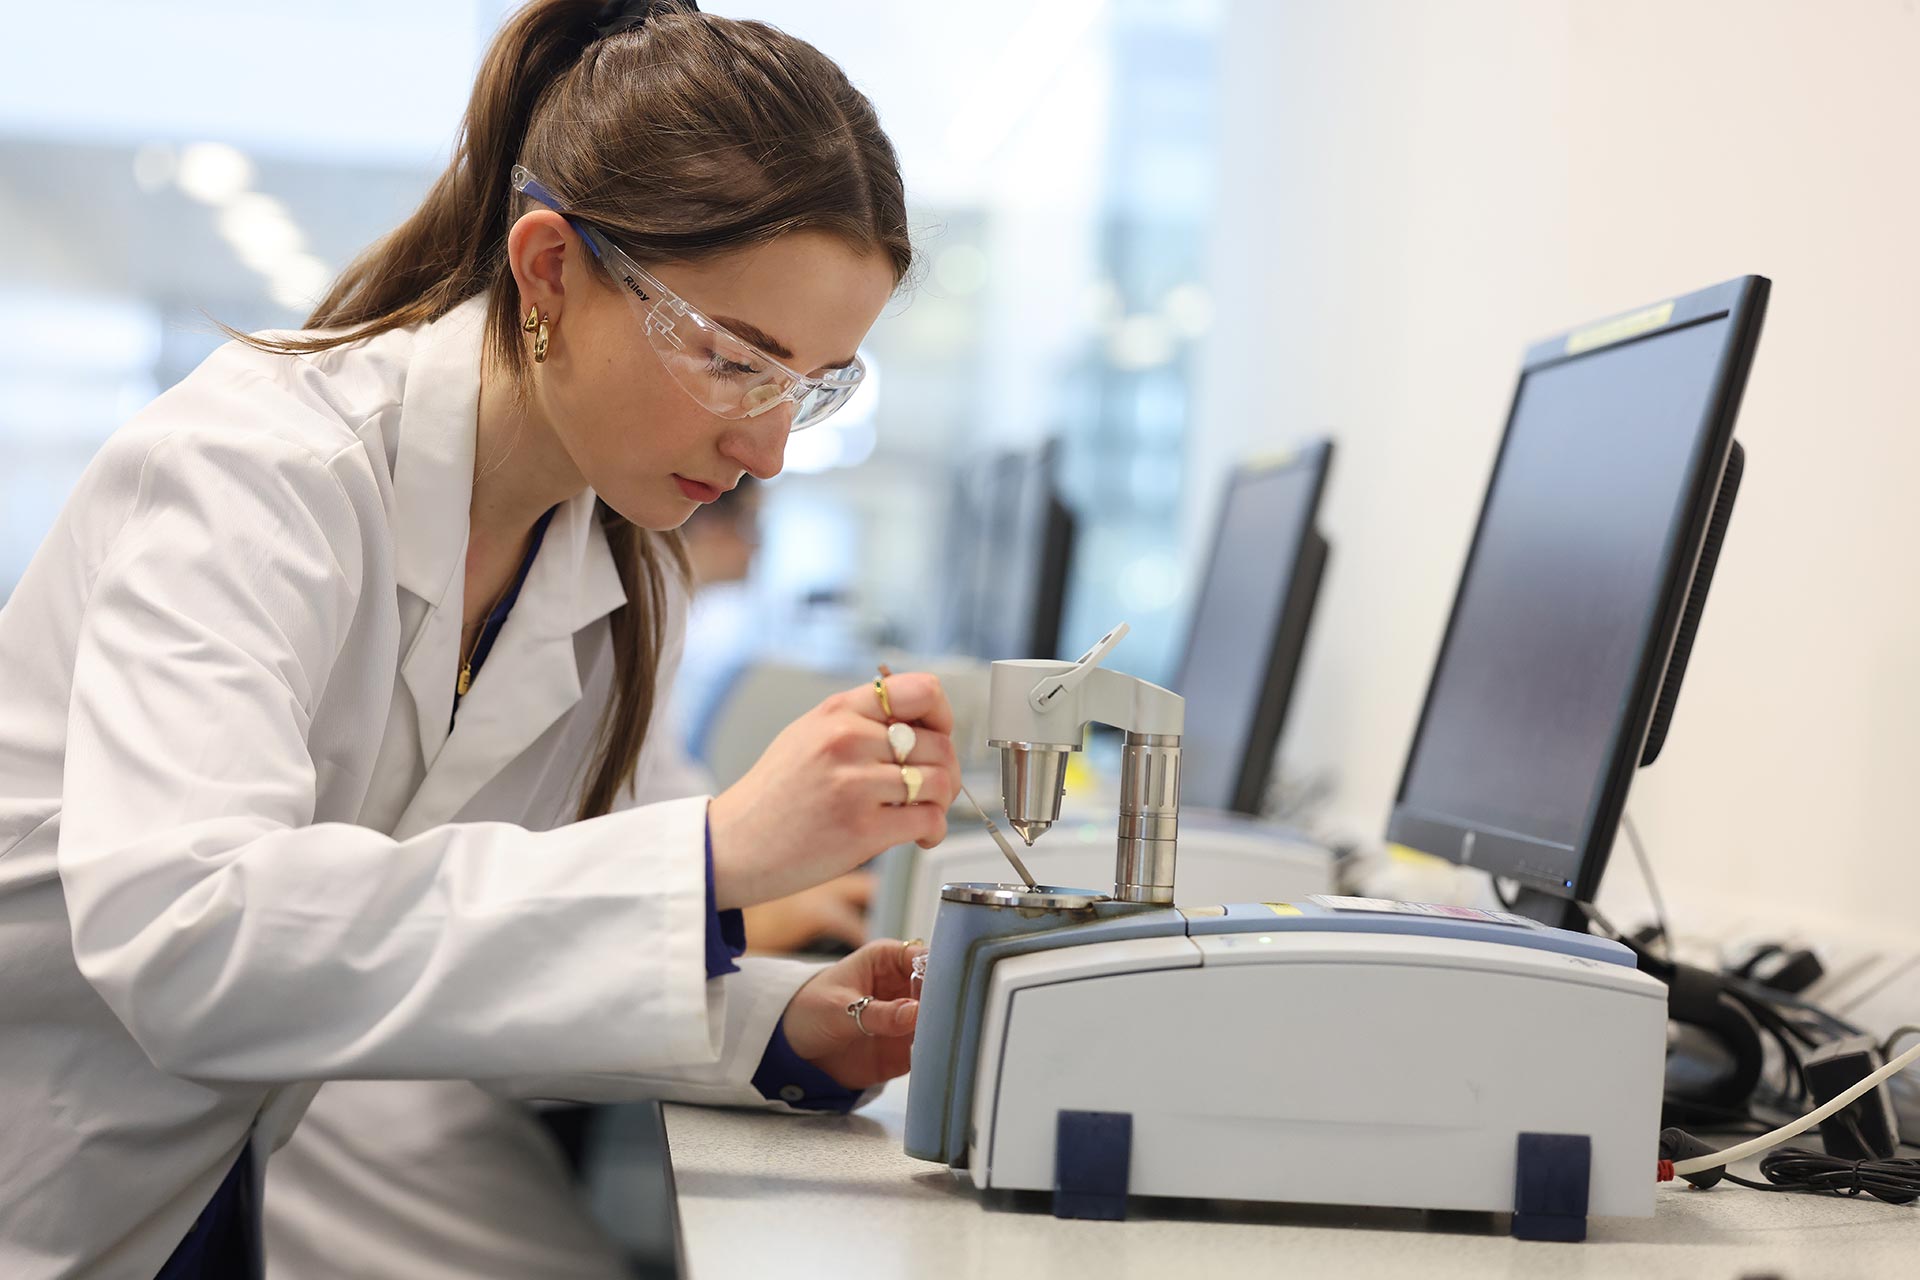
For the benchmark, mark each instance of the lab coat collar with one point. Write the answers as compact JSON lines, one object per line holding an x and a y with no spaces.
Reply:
{"x":572,"y":584}
{"x":433,"y":464}
{"x":530,"y":679}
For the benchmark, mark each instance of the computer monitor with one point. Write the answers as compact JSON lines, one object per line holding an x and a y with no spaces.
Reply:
{"x":1249,"y":628}
{"x":966,"y":554}
{"x":1010,"y":539}
{"x":1585,"y":580}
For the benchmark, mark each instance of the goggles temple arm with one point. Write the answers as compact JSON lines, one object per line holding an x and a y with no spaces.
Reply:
{"x":531,"y":187}
{"x":610,"y":256}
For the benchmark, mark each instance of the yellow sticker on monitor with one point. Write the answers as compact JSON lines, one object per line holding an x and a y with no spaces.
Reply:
{"x":1620,"y":328}
{"x":1408,"y":854}
{"x":1283,"y":908}
{"x":1268,"y":461}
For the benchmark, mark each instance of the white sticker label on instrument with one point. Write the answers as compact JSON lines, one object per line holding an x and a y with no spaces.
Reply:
{"x":1440,"y":910}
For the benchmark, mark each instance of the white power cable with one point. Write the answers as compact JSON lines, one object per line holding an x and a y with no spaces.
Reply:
{"x":1754,"y":1146}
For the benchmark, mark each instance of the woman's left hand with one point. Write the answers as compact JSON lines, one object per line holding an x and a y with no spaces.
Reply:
{"x":820,"y":1030}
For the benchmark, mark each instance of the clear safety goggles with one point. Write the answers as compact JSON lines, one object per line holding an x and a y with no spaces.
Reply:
{"x":724,"y":373}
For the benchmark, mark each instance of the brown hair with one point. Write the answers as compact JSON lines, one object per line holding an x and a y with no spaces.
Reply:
{"x":680,"y":134}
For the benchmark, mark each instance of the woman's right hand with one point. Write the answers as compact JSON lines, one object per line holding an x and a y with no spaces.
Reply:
{"x":827,"y":795}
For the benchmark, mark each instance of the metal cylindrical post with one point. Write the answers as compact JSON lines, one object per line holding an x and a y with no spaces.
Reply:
{"x":1148,"y":843}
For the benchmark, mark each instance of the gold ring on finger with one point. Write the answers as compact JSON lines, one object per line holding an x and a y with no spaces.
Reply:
{"x":911,"y":776}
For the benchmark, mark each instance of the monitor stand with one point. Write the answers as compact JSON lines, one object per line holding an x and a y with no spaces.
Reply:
{"x":1560,"y":913}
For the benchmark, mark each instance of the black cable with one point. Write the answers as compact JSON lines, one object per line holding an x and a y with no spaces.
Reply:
{"x":1760,"y":1001}
{"x":1500,"y":895}
{"x":1773,"y":1025}
{"x":1753,"y":961}
{"x":1899,"y":1033}
{"x":1728,"y":1120}
{"x":1838,"y":1025}
{"x":1758,"y":1008}
{"x":1772,"y":1016}
{"x":1896,"y":1181}
{"x":1741,"y":984}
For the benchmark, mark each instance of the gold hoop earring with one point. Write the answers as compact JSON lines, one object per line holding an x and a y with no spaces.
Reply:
{"x":532,"y":322}
{"x":540,"y":343}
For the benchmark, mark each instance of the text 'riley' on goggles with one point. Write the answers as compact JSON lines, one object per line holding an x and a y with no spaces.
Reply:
{"x":725,"y":374}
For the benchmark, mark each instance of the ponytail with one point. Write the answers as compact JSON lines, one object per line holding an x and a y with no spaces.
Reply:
{"x":453,"y":245}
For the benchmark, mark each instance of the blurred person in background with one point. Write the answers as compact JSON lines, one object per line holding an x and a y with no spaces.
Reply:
{"x":721,"y":539}
{"x":327,"y":707}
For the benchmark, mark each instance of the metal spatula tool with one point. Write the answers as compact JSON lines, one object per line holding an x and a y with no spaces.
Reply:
{"x":993,"y":830}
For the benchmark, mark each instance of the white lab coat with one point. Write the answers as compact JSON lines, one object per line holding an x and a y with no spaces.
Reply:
{"x":240,"y":851}
{"x":442,"y":1179}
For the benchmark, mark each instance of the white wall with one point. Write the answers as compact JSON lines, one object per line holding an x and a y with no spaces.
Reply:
{"x":1415,"y":191}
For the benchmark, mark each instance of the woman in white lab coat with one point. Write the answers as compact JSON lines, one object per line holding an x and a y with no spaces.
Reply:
{"x":323,"y":706}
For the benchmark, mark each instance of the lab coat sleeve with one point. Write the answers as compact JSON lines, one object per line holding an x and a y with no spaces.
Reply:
{"x":239,"y":939}
{"x":756,"y":997}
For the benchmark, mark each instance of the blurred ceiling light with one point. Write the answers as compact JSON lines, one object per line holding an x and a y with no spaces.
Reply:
{"x":154,"y":166}
{"x":1141,"y":342}
{"x":961,"y":270}
{"x":213,"y":172}
{"x":260,"y":230}
{"x":1189,"y":309}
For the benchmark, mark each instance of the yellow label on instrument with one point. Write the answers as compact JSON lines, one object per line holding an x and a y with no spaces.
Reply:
{"x":1283,"y":908}
{"x":1609,"y":332}
{"x":1194,"y":913}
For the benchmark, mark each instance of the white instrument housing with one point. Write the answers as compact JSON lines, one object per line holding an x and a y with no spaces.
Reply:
{"x":1323,"y":1067}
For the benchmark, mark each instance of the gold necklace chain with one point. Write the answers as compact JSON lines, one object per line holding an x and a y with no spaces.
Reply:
{"x":465,"y":681}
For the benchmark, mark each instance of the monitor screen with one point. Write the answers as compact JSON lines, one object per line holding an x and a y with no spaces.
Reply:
{"x":1024,"y":548}
{"x":1228,"y":669}
{"x":966,"y":555}
{"x":1542,"y":693}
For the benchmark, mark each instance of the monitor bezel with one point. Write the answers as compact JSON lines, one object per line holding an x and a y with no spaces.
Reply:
{"x":1742,"y":302}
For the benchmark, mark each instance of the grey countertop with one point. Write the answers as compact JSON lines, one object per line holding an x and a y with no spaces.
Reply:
{"x":835,"y":1197}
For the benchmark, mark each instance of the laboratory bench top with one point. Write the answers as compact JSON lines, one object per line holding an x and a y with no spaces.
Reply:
{"x":761,"y":1194}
